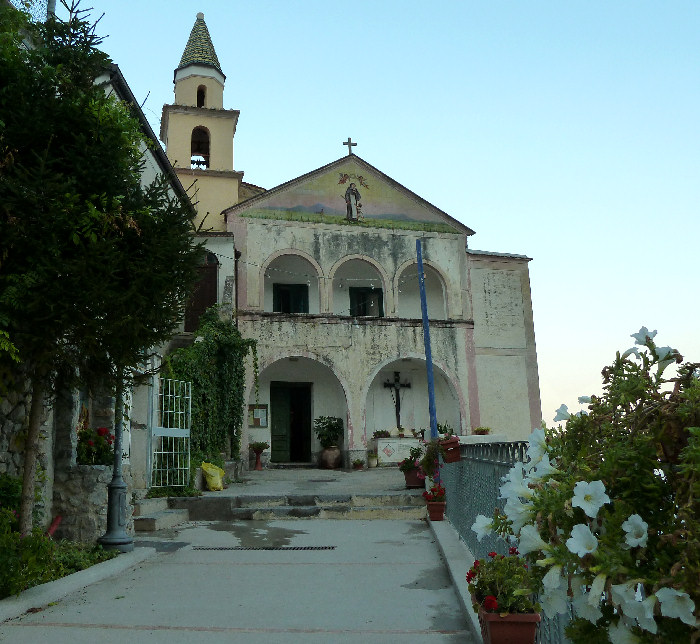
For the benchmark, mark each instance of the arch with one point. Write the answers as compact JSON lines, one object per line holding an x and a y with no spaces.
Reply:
{"x":437,"y":293}
{"x":418,"y":360}
{"x":337,"y":289}
{"x":200,"y":148}
{"x":329,"y":391}
{"x":292,"y":275}
{"x":202,"y":96}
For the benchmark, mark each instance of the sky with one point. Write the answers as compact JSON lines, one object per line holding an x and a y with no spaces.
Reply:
{"x":565,"y":131}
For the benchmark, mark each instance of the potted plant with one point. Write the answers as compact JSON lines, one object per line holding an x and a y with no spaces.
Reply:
{"x":357,"y":464}
{"x":410,"y":466}
{"x":372,"y":458}
{"x":481,"y":431}
{"x":430,"y":463}
{"x":503,"y":594}
{"x":329,"y":431}
{"x":449,"y":443}
{"x":435,"y":499}
{"x":381,"y":433}
{"x":258,"y":447}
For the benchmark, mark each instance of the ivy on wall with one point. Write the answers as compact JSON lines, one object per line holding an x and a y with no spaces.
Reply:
{"x":215,"y":365}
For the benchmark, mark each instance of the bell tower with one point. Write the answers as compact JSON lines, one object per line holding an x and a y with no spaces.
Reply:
{"x":198,"y":132}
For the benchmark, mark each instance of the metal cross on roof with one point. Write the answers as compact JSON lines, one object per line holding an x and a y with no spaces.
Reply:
{"x":349,"y":143}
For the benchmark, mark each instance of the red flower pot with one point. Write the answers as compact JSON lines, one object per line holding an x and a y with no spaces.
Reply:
{"x":436,"y":510}
{"x":512,"y":628}
{"x":412,"y":480}
{"x":451,"y":447}
{"x":258,"y":463}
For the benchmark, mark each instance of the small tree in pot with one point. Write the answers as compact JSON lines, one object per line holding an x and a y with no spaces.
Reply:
{"x":329,"y":431}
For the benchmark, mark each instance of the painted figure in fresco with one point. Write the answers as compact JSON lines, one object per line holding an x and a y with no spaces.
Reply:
{"x":352,"y":203}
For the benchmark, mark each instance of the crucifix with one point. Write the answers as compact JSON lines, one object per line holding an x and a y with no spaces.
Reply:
{"x":395,"y":388}
{"x":350,"y":145}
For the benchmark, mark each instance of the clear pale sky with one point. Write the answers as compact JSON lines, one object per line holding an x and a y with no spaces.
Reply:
{"x":565,"y":131}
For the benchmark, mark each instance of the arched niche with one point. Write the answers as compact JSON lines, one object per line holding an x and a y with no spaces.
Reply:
{"x":408,"y":293}
{"x":291,"y":285}
{"x":358,"y":289}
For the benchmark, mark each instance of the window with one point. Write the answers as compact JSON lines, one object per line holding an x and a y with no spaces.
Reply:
{"x":290,"y":298}
{"x":366,"y":301}
{"x":200,"y":148}
{"x":201,"y":96}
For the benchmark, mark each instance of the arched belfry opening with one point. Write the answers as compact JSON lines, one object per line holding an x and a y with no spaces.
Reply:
{"x":200,"y":148}
{"x":202,"y":96}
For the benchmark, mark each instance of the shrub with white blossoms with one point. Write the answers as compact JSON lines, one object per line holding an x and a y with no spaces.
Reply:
{"x":608,"y":506}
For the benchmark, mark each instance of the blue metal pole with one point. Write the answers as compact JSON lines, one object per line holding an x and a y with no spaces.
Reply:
{"x":426,"y":341}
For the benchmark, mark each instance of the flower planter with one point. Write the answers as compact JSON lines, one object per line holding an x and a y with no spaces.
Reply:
{"x":436,"y":510}
{"x":412,"y":479}
{"x":258,"y":464}
{"x":451,"y":447}
{"x":372,"y":461}
{"x":330,"y":458}
{"x":512,"y":628}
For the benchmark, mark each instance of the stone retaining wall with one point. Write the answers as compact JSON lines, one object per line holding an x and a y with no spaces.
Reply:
{"x":80,"y":498}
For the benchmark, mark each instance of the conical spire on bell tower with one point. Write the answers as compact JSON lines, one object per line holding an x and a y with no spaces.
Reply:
{"x":200,"y":49}
{"x":198,"y":79}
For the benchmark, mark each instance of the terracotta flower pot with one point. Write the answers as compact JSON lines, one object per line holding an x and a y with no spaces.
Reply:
{"x":412,"y":480}
{"x":451,"y":447}
{"x":513,"y":628}
{"x":330,"y":458}
{"x":258,"y":464}
{"x":436,"y":510}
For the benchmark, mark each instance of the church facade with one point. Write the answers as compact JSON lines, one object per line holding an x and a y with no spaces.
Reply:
{"x":322,"y":272}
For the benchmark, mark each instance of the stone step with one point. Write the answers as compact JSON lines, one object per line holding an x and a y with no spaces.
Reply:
{"x":408,"y":505}
{"x":161,"y":520}
{"x":144,"y":507}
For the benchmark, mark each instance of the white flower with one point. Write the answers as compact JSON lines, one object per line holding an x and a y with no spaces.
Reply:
{"x":631,"y":351}
{"x":643,"y":612}
{"x":676,"y":604}
{"x":482,"y":526}
{"x":641,"y":336}
{"x":590,"y":497}
{"x":623,"y":593}
{"x":562,"y":414}
{"x":553,"y":578}
{"x":519,"y":513}
{"x":530,"y":540}
{"x":596,"y":591}
{"x":543,"y":470}
{"x":584,"y":400}
{"x":664,"y":352}
{"x":582,"y":606}
{"x":515,"y":485}
{"x":582,"y":540}
{"x":554,"y":602}
{"x":537,"y":447}
{"x":620,"y":634}
{"x":635,"y":531}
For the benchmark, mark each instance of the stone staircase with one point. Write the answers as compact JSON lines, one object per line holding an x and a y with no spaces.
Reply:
{"x":248,"y":507}
{"x":151,"y":515}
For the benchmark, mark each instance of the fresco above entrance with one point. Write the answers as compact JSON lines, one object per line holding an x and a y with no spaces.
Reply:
{"x":349,"y":192}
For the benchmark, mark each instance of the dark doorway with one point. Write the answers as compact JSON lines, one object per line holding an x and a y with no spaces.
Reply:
{"x":290,"y":416}
{"x":365,"y":301}
{"x":205,"y":292}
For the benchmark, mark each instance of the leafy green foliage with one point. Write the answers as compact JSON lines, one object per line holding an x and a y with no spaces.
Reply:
{"x":391,"y":224}
{"x":95,"y":267}
{"x":215,"y":365}
{"x":95,"y":446}
{"x":329,"y":430}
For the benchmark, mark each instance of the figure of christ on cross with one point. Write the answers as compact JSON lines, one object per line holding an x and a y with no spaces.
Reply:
{"x":395,"y":390}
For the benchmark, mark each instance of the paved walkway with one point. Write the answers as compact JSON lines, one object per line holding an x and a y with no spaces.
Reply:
{"x":349,"y":581}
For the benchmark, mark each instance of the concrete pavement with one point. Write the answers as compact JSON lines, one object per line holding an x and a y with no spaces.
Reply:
{"x":383,"y":581}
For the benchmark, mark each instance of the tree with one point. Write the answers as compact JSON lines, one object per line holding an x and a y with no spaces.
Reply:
{"x":94,"y":267}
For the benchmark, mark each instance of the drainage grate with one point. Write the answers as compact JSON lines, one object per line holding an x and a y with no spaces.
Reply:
{"x":263,"y":547}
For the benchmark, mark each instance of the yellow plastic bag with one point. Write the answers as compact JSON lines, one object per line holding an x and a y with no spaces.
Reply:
{"x":214,"y":476}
